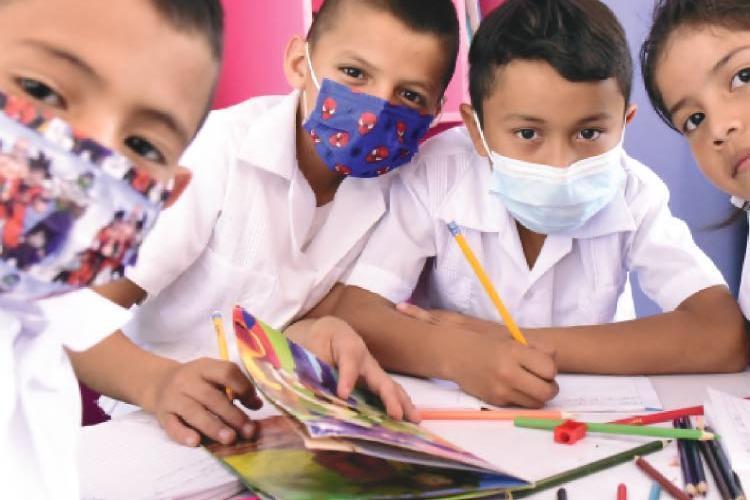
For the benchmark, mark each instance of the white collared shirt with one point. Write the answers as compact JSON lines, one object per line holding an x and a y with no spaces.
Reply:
{"x":238,"y":233}
{"x":40,"y":403}
{"x":577,"y":278}
{"x":744,"y":293}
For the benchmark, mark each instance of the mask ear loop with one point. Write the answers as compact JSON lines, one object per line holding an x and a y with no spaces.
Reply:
{"x":314,"y":77}
{"x":481,"y":134}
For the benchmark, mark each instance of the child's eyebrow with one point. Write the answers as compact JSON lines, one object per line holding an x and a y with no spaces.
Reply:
{"x":715,"y":69}
{"x":64,"y":55}
{"x":525,"y":118}
{"x":595,"y":118}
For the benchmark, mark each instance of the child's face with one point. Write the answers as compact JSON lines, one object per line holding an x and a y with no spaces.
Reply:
{"x":374,"y":53}
{"x":536,"y":115}
{"x":115,"y":70}
{"x":704,"y":78}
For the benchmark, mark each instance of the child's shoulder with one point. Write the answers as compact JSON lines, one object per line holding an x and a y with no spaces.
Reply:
{"x":642,"y":182}
{"x":447,"y":155}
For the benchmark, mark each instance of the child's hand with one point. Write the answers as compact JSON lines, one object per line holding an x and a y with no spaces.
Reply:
{"x":190,"y":399}
{"x":452,"y":319}
{"x":503,"y":372}
{"x":336,"y":343}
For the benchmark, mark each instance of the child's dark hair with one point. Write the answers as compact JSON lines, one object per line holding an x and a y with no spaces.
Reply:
{"x":581,"y":39}
{"x":204,"y":16}
{"x":437,"y":17}
{"x":669,"y":15}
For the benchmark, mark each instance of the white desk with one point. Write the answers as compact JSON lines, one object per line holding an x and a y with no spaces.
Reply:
{"x":486,"y":440}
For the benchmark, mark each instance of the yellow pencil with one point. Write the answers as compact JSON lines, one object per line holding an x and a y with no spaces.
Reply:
{"x":485,"y":281}
{"x":221,"y":339}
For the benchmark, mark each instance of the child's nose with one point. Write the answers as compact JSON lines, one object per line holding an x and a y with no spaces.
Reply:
{"x":100,"y":127}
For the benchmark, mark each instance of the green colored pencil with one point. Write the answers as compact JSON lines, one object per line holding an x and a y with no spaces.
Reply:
{"x":593,"y":467}
{"x":633,"y":430}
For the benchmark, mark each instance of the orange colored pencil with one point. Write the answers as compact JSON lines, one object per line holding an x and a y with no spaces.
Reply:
{"x":460,"y":414}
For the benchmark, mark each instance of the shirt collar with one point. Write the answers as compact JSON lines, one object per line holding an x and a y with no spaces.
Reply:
{"x":471,"y":204}
{"x":271,"y":141}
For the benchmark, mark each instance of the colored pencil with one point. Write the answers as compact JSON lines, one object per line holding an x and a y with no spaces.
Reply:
{"x":701,"y":484}
{"x":657,"y":476}
{"x":510,"y":324}
{"x":562,"y":494}
{"x":713,"y":466}
{"x":738,"y":483}
{"x":597,"y":466}
{"x":463,"y":414}
{"x":221,"y":339}
{"x":622,"y":492}
{"x":655,"y":492}
{"x":662,"y":416}
{"x":634,"y":430}
{"x":687,"y":466}
{"x":735,"y":491}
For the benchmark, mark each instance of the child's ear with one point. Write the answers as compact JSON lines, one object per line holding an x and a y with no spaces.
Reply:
{"x":630,"y":113}
{"x":467,"y":115}
{"x":295,"y":65}
{"x":181,"y":181}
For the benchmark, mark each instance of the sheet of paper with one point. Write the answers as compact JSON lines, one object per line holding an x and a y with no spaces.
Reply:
{"x":730,"y":416}
{"x":131,"y":458}
{"x":578,"y":393}
{"x":595,"y":393}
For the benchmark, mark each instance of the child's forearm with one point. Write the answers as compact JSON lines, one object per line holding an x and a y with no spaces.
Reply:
{"x":705,"y":334}
{"x":398,"y":342}
{"x":118,"y":368}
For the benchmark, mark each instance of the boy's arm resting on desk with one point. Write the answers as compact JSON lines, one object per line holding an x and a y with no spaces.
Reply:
{"x":187,"y":398}
{"x":335,"y":342}
{"x":705,"y":334}
{"x":492,"y":367}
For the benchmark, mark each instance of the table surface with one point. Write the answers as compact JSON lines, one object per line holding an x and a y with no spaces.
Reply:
{"x":675,"y":391}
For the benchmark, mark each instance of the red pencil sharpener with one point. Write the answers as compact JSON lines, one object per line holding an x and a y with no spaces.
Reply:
{"x":570,"y":432}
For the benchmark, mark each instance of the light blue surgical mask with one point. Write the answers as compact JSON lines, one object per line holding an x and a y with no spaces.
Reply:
{"x":549,"y":200}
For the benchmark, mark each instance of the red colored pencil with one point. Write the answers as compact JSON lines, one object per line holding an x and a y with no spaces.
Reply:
{"x":622,"y":492}
{"x":662,"y":416}
{"x":657,"y":476}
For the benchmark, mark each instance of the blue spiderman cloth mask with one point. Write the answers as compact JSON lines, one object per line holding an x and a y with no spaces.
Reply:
{"x":360,"y":135}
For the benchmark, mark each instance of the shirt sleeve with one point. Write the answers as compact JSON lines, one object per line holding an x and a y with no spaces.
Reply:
{"x":184,"y":229}
{"x":669,"y":265}
{"x":395,"y":254}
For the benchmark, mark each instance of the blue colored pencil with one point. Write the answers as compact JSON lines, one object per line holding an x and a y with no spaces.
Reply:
{"x":655,"y":492}
{"x":700,"y":474}
{"x":686,"y":464}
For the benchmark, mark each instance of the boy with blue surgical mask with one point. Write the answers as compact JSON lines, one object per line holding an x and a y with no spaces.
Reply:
{"x":557,"y":213}
{"x":285,"y":192}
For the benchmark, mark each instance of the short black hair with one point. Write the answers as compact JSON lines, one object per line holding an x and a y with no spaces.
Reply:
{"x":437,"y":17}
{"x":581,"y":39}
{"x":669,"y":15}
{"x":205,"y":17}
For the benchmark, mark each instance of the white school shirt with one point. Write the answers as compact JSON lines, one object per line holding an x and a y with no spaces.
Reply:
{"x":577,"y":278}
{"x":744,"y":293}
{"x":40,"y":402}
{"x":236,"y":235}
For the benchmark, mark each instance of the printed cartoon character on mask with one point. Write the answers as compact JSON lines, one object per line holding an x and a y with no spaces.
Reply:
{"x":360,"y":135}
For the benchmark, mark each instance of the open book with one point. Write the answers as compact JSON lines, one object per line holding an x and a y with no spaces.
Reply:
{"x":324,"y":446}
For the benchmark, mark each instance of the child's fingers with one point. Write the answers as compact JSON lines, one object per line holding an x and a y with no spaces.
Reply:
{"x":349,"y":366}
{"x":199,"y":418}
{"x":410,"y":411}
{"x":178,"y":431}
{"x":537,"y":362}
{"x":519,"y":398}
{"x":216,"y":402}
{"x":226,"y":374}
{"x":539,"y":389}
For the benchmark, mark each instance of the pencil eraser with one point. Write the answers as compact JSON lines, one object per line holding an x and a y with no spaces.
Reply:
{"x":569,"y":432}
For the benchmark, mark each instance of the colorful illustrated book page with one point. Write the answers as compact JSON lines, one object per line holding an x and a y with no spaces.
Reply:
{"x":328,"y":447}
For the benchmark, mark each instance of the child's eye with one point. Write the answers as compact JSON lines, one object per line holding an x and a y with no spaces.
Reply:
{"x":526,"y":134}
{"x":353,"y":72}
{"x":741,"y":79}
{"x":589,"y":134}
{"x":144,"y":149}
{"x":41,"y":92}
{"x":413,"y":97}
{"x":693,"y":122}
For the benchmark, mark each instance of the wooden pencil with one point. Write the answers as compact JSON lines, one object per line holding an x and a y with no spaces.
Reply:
{"x":726,"y":470}
{"x":701,"y":485}
{"x":510,"y":324}
{"x":687,"y":466}
{"x":713,"y":466}
{"x":662,"y":416}
{"x":657,"y":476}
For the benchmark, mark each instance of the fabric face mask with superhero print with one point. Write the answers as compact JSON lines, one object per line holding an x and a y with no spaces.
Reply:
{"x":360,"y":135}
{"x":72,"y":213}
